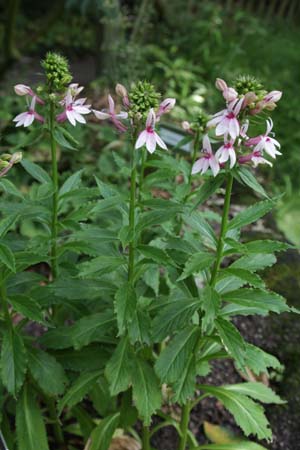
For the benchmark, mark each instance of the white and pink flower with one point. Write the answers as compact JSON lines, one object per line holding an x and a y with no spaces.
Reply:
{"x":226,"y":121}
{"x":25,"y":119}
{"x":229,"y":93}
{"x":208,"y":160}
{"x":255,"y":157}
{"x":265,"y":142}
{"x":227,"y":152}
{"x":111,"y":114}
{"x":23,"y":89}
{"x":74,"y":109}
{"x":166,"y":106}
{"x":148,"y":136}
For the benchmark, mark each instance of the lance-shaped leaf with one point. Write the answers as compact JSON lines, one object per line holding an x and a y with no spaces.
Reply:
{"x":102,"y":435}
{"x":231,"y":339}
{"x":197,"y":262}
{"x":31,"y":430}
{"x":118,"y":370}
{"x":248,"y":414}
{"x":28,"y":307}
{"x":210,"y":306}
{"x":146,"y":390}
{"x":254,"y":262}
{"x":79,"y":389}
{"x":125,"y":305}
{"x":7,"y":223}
{"x":184,"y":386}
{"x":71,"y":183}
{"x":13,"y":361}
{"x":92,"y":328}
{"x":259,"y":361}
{"x":36,"y":171}
{"x":207,"y":189}
{"x":245,"y":275}
{"x":257,"y":391}
{"x":258,"y":298}
{"x":7,"y":257}
{"x":266,"y":246}
{"x":250,"y":180}
{"x":251,"y":214}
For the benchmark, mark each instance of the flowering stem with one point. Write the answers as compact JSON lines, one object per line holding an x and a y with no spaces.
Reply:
{"x":220,"y":245}
{"x":132,"y":216}
{"x":184,"y":424}
{"x":146,"y":438}
{"x":141,"y":180}
{"x":55,"y":194}
{"x":195,"y":150}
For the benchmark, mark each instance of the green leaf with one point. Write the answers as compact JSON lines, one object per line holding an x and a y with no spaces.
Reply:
{"x":245,"y":275}
{"x":197,"y":262}
{"x":146,"y":390}
{"x":266,"y":246}
{"x":250,"y":180}
{"x":173,"y":316}
{"x":156,"y":254}
{"x":125,"y":305}
{"x":248,"y":414}
{"x":102,"y":435}
{"x":7,"y":223}
{"x":198,"y":223}
{"x":218,"y":434}
{"x":73,"y":182}
{"x":257,"y":298}
{"x":31,"y":430}
{"x":58,"y":338}
{"x":251,"y":214}
{"x":61,"y":140}
{"x":140,"y":327}
{"x":92,"y":328}
{"x":259,"y":361}
{"x":10,"y":188}
{"x":156,"y":217}
{"x":7,"y":257}
{"x":207,"y":189}
{"x":47,"y":372}
{"x":100,"y":265}
{"x":13,"y":361}
{"x":36,"y":171}
{"x":184,"y":386}
{"x":254,"y":262}
{"x":241,"y":445}
{"x":257,"y":391}
{"x":210,"y":305}
{"x":79,"y":389}
{"x":118,"y":370}
{"x":174,"y":358}
{"x":231,"y":339}
{"x":27,"y":307}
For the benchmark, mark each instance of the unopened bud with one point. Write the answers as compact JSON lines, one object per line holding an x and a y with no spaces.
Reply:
{"x":186,"y":126}
{"x":4,"y":164}
{"x":22,"y":89}
{"x":16,"y":158}
{"x":221,"y":85}
{"x":121,"y":90}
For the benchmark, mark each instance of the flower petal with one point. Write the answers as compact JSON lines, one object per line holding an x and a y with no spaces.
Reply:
{"x":160,"y":142}
{"x":141,"y":139}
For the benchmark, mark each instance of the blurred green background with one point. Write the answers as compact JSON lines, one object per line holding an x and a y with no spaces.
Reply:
{"x":179,"y":45}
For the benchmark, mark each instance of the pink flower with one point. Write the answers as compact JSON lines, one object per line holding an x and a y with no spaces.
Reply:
{"x":148,"y":136}
{"x":208,"y":160}
{"x":254,"y":157}
{"x":22,"y":89}
{"x":26,"y":118}
{"x":265,"y":142}
{"x":112,"y":115}
{"x":226,"y":152}
{"x":272,"y":97}
{"x":166,"y":106}
{"x":73,"y":110}
{"x":226,"y":120}
{"x":229,"y":93}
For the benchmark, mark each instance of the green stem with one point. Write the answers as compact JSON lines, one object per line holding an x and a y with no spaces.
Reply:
{"x":146,"y":438}
{"x":195,"y":150}
{"x":220,"y":245}
{"x":142,"y":173}
{"x":54,"y":267}
{"x":132,"y":217}
{"x":57,"y":431}
{"x":184,"y":424}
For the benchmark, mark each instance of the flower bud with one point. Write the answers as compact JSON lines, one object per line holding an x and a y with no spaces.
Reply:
{"x":230,"y":94}
{"x":220,"y":84}
{"x":186,"y":126}
{"x":166,"y":106}
{"x":121,"y":90}
{"x":16,"y":158}
{"x":57,"y":71}
{"x":4,"y":164}
{"x":273,"y":97}
{"x":22,"y":89}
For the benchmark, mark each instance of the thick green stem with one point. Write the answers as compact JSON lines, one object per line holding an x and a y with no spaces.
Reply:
{"x":146,"y":438}
{"x":54,"y":268}
{"x":132,"y":217}
{"x":184,"y":424}
{"x":220,"y":245}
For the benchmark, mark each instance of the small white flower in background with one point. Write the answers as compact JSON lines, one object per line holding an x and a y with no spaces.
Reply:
{"x":208,"y":160}
{"x":229,"y":93}
{"x":111,"y":114}
{"x":265,"y":142}
{"x":22,"y":89}
{"x":226,"y":121}
{"x":74,"y":110}
{"x":25,"y":119}
{"x":226,"y":152}
{"x":166,"y":106}
{"x":148,"y":136}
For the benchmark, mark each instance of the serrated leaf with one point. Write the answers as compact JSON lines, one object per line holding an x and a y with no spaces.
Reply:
{"x":173,"y":360}
{"x":93,"y":356}
{"x":201,"y":226}
{"x":257,"y":391}
{"x":146,"y":390}
{"x":7,"y":223}
{"x":13,"y":361}
{"x":266,"y":246}
{"x":36,"y":171}
{"x":156,"y":217}
{"x":139,"y":328}
{"x":118,"y":369}
{"x":102,"y":435}
{"x":231,"y":339}
{"x":173,"y":316}
{"x":210,"y":306}
{"x":100,"y":265}
{"x":257,"y":298}
{"x":58,"y":338}
{"x":31,"y":430}
{"x":197,"y":262}
{"x":247,"y":414}
{"x":73,"y":182}
{"x":92,"y":328}
{"x":79,"y":389}
{"x":207,"y":189}
{"x":249,"y":179}
{"x":125,"y":305}
{"x":254,"y":262}
{"x":184,"y":386}
{"x":47,"y":372}
{"x":259,"y":361}
{"x":7,"y":257}
{"x":251,"y":214}
{"x":156,"y":254}
{"x":27,"y":307}
{"x":250,"y":278}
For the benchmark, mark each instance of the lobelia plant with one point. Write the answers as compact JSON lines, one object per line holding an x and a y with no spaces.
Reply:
{"x":140,"y":291}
